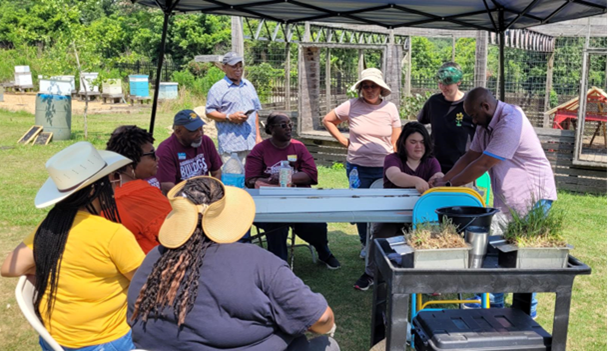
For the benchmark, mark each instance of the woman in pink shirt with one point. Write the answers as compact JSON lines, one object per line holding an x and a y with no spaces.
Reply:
{"x":374,"y":127}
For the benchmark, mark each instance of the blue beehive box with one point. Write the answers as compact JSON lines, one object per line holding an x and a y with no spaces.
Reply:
{"x":138,"y":85}
{"x":167,"y":91}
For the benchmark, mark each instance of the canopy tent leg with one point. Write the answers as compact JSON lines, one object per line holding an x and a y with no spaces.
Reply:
{"x":501,"y":54}
{"x":161,"y":56}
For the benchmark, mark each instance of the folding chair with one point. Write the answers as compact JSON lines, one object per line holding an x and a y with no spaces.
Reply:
{"x":291,"y":238}
{"x":24,"y":293}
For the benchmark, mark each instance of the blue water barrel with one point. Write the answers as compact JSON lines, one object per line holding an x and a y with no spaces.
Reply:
{"x":54,"y":114}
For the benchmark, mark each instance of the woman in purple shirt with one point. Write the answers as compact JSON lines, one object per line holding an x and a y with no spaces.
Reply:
{"x":412,"y":166}
{"x":261,"y":169}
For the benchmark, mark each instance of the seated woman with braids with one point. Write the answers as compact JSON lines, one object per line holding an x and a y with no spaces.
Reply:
{"x":81,"y":258}
{"x":261,"y":169}
{"x":142,"y":207}
{"x":202,"y":290}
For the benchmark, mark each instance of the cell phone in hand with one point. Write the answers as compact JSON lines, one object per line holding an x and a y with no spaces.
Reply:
{"x":249,"y":112}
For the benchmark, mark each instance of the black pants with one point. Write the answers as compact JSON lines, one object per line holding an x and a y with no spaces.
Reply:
{"x":313,"y":233}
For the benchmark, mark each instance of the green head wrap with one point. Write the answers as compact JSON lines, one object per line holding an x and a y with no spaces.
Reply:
{"x":449,"y":75}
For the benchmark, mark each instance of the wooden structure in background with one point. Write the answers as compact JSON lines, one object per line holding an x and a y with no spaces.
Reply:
{"x":30,"y":134}
{"x":567,"y":112}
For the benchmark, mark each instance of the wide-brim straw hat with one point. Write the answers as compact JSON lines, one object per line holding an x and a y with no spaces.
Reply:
{"x":74,"y":168}
{"x":373,"y":75}
{"x":223,"y":221}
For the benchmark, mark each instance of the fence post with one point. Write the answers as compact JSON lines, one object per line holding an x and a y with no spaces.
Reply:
{"x":548,"y":88}
{"x":327,"y":80}
{"x":481,"y":59}
{"x":407,"y":86}
{"x":287,"y":91}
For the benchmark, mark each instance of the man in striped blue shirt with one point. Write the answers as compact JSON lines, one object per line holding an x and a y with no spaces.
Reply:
{"x":233,"y":104}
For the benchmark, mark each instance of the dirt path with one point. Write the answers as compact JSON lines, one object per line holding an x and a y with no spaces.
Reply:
{"x":27,"y":102}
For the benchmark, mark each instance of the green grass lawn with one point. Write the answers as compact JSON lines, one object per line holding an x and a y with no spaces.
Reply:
{"x":22,"y":173}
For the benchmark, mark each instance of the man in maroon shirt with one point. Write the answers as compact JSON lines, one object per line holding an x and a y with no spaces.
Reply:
{"x":187,"y":152}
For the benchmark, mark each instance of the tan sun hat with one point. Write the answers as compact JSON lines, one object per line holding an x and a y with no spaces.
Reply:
{"x":224,"y":221}
{"x":373,"y":75}
{"x":76,"y":167}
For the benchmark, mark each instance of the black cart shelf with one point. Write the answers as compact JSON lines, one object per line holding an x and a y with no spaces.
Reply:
{"x":394,"y":285}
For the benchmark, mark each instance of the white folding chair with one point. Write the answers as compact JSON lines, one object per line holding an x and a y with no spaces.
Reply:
{"x":24,"y":292}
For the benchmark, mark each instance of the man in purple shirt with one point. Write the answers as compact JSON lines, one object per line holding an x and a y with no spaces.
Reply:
{"x":187,"y":152}
{"x":505,"y":145}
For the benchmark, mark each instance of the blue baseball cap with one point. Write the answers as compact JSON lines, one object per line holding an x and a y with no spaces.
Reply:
{"x":189,"y":119}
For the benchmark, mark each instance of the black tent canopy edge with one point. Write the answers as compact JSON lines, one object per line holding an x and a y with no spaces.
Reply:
{"x":489,"y":15}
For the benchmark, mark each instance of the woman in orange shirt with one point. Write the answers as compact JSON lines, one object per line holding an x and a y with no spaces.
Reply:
{"x":142,"y":206}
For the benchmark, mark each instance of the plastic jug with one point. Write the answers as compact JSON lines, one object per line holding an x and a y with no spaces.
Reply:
{"x":353,"y":179}
{"x":285,"y":173}
{"x":233,"y":172}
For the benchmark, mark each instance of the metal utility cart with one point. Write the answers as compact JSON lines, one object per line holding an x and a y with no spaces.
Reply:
{"x":394,"y":285}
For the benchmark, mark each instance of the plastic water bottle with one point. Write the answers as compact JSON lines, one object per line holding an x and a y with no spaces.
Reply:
{"x":233,"y":172}
{"x":353,"y":179}
{"x":285,"y":173}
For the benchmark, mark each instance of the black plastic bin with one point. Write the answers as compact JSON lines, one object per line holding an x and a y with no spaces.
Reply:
{"x":468,"y":216}
{"x":481,"y":329}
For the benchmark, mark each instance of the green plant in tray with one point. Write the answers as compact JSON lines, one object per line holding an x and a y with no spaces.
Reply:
{"x":538,"y":228}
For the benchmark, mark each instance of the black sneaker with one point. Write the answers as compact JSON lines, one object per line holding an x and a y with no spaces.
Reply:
{"x":331,"y":262}
{"x":364,"y":282}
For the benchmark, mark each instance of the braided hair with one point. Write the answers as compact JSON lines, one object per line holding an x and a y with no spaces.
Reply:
{"x":174,"y":277}
{"x":128,"y":141}
{"x":52,"y":234}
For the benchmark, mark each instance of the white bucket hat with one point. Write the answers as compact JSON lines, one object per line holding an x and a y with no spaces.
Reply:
{"x":373,"y":75}
{"x":74,"y":168}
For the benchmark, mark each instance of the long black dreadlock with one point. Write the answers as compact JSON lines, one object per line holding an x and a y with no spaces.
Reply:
{"x":174,"y":277}
{"x":52,"y":234}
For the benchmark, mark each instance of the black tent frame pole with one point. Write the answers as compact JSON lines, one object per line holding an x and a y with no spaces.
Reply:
{"x":501,"y":52}
{"x":159,"y":68}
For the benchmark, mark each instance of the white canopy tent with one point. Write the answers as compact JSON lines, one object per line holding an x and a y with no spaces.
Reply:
{"x":491,"y":15}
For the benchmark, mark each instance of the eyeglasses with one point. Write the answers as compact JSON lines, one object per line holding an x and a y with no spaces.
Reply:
{"x":151,"y":154}
{"x":285,"y":125}
{"x":369,"y":86}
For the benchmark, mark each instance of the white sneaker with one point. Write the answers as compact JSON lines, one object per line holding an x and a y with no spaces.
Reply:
{"x":363,"y":253}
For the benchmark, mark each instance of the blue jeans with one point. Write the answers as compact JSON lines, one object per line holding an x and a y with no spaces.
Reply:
{"x":367,"y":175}
{"x":124,"y":343}
{"x":546,"y":205}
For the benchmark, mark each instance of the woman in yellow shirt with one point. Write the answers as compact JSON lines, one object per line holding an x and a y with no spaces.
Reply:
{"x":82,"y":261}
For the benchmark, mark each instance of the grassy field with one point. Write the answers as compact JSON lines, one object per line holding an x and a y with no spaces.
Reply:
{"x":22,"y":173}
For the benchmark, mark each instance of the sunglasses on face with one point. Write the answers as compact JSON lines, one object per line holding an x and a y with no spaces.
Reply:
{"x":284,"y":125}
{"x":151,"y":154}
{"x":368,"y":86}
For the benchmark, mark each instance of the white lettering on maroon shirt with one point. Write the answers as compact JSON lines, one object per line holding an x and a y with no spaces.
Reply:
{"x":193,"y":167}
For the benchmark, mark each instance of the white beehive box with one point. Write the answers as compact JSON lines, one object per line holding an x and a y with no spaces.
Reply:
{"x":112,"y":87}
{"x":86,"y":81}
{"x":56,"y":86}
{"x":22,"y":69}
{"x":71,"y":79}
{"x":23,"y":79}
